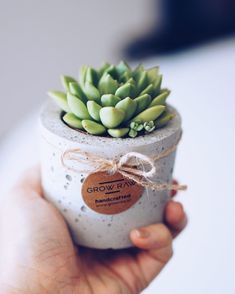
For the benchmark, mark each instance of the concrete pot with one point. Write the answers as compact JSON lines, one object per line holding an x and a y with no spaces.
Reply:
{"x":62,"y":187}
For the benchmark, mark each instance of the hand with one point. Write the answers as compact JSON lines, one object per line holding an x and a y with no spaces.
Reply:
{"x":38,"y":256}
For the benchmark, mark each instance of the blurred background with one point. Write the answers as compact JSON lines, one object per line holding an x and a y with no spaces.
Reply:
{"x":194,"y":44}
{"x":40,"y":40}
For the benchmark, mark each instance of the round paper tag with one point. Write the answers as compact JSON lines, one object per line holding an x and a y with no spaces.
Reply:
{"x":110,"y":194}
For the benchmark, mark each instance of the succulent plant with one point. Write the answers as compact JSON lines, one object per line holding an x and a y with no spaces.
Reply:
{"x":114,"y":100}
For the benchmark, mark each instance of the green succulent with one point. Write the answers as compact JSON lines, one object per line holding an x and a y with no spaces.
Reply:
{"x":115,"y":100}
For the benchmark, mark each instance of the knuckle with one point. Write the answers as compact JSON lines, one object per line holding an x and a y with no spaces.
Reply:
{"x":167,"y":254}
{"x":171,"y":253}
{"x":180,"y":205}
{"x":165,"y":234}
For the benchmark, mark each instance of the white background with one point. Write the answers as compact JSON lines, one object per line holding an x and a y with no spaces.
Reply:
{"x":203,"y":85}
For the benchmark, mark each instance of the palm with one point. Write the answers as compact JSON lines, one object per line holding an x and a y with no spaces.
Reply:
{"x":50,"y":255}
{"x":102,"y":271}
{"x":123,"y":269}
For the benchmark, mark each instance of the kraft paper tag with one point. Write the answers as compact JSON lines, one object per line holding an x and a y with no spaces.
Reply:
{"x":110,"y":194}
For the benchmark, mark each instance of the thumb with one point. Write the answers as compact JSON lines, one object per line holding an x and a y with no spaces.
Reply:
{"x":156,"y":242}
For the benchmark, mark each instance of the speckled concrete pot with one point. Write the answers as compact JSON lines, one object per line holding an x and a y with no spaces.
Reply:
{"x":63,"y":187}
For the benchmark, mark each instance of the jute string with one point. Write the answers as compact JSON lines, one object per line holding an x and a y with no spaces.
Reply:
{"x":96,"y":163}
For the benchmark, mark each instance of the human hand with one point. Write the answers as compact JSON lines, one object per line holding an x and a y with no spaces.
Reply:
{"x":38,"y":256}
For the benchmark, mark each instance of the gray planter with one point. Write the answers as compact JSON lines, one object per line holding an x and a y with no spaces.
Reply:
{"x":62,"y":187}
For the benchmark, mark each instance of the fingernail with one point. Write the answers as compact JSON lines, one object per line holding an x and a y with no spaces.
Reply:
{"x":142,"y":233}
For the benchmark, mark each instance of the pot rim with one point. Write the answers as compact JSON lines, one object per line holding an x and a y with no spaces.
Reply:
{"x":50,"y":119}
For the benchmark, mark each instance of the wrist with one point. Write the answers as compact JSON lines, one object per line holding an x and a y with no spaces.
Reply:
{"x":28,"y":280}
{"x":20,"y":280}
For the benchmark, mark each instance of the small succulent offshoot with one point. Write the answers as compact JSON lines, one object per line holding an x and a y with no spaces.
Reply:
{"x":115,"y":100}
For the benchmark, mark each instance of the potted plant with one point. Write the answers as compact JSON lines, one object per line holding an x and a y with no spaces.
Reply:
{"x":108,"y":146}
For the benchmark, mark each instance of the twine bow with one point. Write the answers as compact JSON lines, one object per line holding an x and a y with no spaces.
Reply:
{"x":96,"y":163}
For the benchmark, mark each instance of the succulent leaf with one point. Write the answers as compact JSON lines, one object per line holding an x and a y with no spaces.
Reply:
{"x":148,"y":90}
{"x":111,"y":70}
{"x":72,"y":121}
{"x":77,"y":107}
{"x":124,"y":91}
{"x":157,"y":85}
{"x":140,"y":127}
{"x":111,"y":117}
{"x":122,"y":67}
{"x":149,"y":126}
{"x":103,"y":68}
{"x":137,"y":126}
{"x":60,"y":99}
{"x":94,"y":110}
{"x":132,"y":133}
{"x":142,"y":102}
{"x":82,"y":75}
{"x":115,"y":99}
{"x":125,"y":76}
{"x":118,"y":133}
{"x":133,"y":88}
{"x":142,"y":81}
{"x":134,"y":125}
{"x":91,"y":76}
{"x":137,"y":71}
{"x":131,"y":81}
{"x":93,"y":128}
{"x":76,"y":90}
{"x":152,"y":74}
{"x":129,"y":106}
{"x":107,"y":85}
{"x":109,"y":100}
{"x":164,"y":119}
{"x":160,"y":99}
{"x":65,"y":80}
{"x":149,"y":114}
{"x":91,"y":92}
